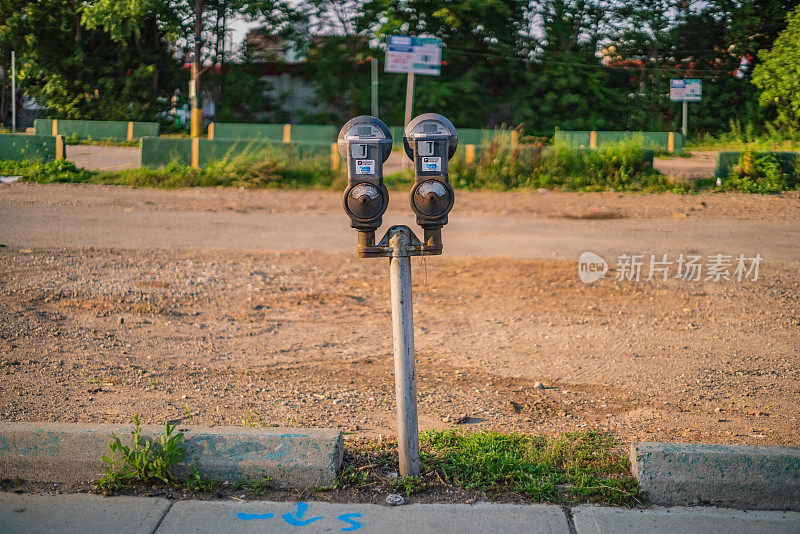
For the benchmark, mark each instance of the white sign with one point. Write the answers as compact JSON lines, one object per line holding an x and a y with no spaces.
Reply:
{"x":685,"y":90}
{"x":365,"y":166}
{"x":420,"y":55}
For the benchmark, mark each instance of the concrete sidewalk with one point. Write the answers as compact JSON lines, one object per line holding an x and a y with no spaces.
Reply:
{"x":88,"y":514}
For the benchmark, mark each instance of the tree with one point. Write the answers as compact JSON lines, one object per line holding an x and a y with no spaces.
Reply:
{"x":778,"y":74}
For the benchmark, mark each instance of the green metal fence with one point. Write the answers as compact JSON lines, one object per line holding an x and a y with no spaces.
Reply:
{"x":651,"y":140}
{"x":100,"y":130}
{"x":158,"y":151}
{"x":277,"y":133}
{"x":36,"y":147}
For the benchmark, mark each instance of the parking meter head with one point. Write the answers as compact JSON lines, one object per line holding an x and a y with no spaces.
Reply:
{"x":430,"y":141}
{"x":365,"y":143}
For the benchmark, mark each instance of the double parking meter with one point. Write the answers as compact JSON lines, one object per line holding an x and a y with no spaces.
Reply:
{"x":365,"y":143}
{"x":430,"y":141}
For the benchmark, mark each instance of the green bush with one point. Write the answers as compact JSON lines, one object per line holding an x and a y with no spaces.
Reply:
{"x":621,"y":166}
{"x":760,"y":173}
{"x":262,"y":168}
{"x":54,"y":172}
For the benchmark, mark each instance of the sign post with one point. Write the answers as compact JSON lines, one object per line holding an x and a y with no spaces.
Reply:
{"x":13,"y":92}
{"x":685,"y":91}
{"x":413,"y":55}
{"x":374,"y":65}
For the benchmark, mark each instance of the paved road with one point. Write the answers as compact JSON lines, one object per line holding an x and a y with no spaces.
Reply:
{"x":700,"y":165}
{"x":89,"y":514}
{"x":104,"y":158}
{"x":35,"y":226}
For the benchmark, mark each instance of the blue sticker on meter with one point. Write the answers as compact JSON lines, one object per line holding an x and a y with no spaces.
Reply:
{"x":365,"y":166}
{"x":432,"y":164}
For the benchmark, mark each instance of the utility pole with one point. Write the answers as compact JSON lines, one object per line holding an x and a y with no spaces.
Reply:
{"x":194,"y":83}
{"x":13,"y":92}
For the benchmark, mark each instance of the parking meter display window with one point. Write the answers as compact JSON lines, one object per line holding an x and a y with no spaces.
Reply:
{"x":429,"y":127}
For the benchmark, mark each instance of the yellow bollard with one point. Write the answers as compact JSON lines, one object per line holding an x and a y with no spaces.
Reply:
{"x":592,"y":139}
{"x":55,"y":126}
{"x":287,"y":133}
{"x":334,"y":156}
{"x":195,"y":152}
{"x":59,"y":146}
{"x":211,"y":131}
{"x":671,"y":142}
{"x":470,"y":158}
{"x":130,"y":131}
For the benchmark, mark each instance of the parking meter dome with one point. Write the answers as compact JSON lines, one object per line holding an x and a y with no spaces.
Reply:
{"x":431,"y":198}
{"x":364,"y":201}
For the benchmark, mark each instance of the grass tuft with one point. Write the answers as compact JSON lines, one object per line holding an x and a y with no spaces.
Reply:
{"x":574,"y":467}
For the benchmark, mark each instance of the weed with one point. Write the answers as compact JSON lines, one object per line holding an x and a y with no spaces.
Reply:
{"x":144,"y":459}
{"x":409,"y":485}
{"x":350,"y":476}
{"x":252,"y":419}
{"x":195,"y":481}
{"x":258,"y":486}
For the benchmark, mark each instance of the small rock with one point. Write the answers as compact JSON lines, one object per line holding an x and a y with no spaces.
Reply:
{"x":395,"y":500}
{"x":538,"y":385}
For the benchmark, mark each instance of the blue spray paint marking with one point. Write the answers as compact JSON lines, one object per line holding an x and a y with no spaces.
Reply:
{"x":354,"y":525}
{"x":248,"y":517}
{"x":297,"y":519}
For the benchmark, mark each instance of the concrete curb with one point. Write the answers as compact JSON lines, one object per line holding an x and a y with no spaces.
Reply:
{"x":732,"y":476}
{"x":67,"y":452}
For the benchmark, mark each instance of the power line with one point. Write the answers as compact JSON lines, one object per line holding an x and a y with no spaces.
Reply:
{"x":590,"y":65}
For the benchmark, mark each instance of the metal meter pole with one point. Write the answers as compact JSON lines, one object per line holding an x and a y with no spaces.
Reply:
{"x":405,"y":375}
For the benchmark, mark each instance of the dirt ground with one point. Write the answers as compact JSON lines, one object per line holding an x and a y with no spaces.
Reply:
{"x":284,"y":337}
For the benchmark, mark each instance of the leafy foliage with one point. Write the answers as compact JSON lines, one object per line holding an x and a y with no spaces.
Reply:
{"x":761,"y":173}
{"x":778,"y":75}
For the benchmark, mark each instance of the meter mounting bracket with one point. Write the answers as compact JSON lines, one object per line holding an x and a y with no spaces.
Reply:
{"x":398,"y":242}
